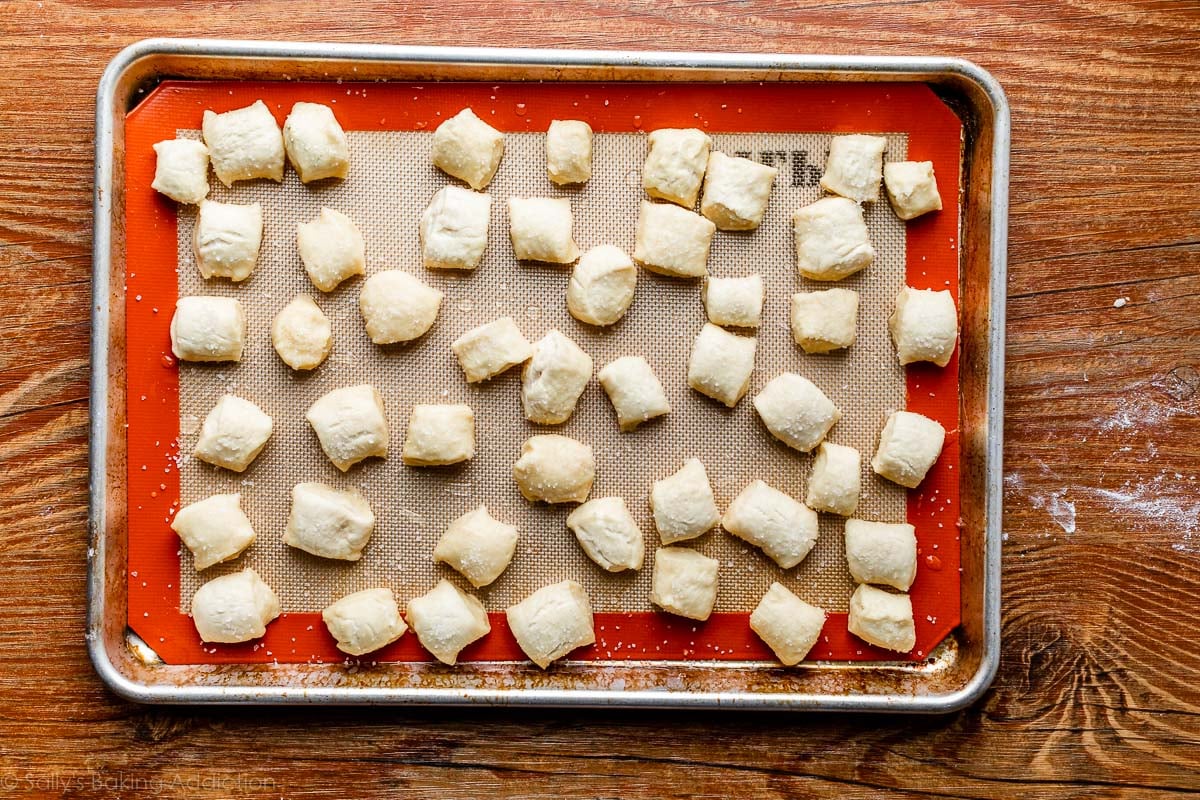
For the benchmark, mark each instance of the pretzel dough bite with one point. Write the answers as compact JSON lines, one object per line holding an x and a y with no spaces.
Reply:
{"x":737,"y":302}
{"x":832,"y":241}
{"x":208,"y":329}
{"x":439,"y":434}
{"x":454,"y":228}
{"x":447,"y":619}
{"x":684,"y":582}
{"x":555,"y":469}
{"x":796,"y":411}
{"x":397,"y":306}
{"x":233,"y":434}
{"x":540,"y":230}
{"x":490,"y":349}
{"x":673,"y":241}
{"x":908,"y":446}
{"x":788,"y":625}
{"x":683,"y":503}
{"x":836,"y":480}
{"x":882,"y":618}
{"x":351,"y":425}
{"x":329,"y":523}
{"x":601,"y":287}
{"x":467,"y":148}
{"x":569,"y":151}
{"x":478,"y":546}
{"x":181,"y":170}
{"x":215,"y":529}
{"x":552,"y":622}
{"x":365,"y":621}
{"x":924,"y":326}
{"x":243,"y":144}
{"x":854,"y":167}
{"x":720,"y":364}
{"x":301,"y":333}
{"x":783,"y":528}
{"x":227,"y":239}
{"x":882,"y":552}
{"x":332,"y":249}
{"x":911,"y":188}
{"x":825,"y":321}
{"x":736,"y":191}
{"x":315,"y":143}
{"x":608,"y":533}
{"x":234,"y":608}
{"x":675,"y":164}
{"x":635,"y":392}
{"x":553,"y":379}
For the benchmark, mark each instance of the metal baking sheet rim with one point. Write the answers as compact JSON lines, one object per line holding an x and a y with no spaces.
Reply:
{"x":102,"y":575}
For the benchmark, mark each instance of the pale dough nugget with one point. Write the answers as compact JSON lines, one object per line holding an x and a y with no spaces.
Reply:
{"x":244,"y":143}
{"x":447,"y":619}
{"x":911,"y":188}
{"x":365,"y":621}
{"x":351,"y":425}
{"x":673,"y":241}
{"x":784,"y":528}
{"x":882,"y":618}
{"x":675,"y":164}
{"x":490,"y":349}
{"x":825,"y":321}
{"x":215,"y":529}
{"x":302,"y":334}
{"x":635,"y":392}
{"x":234,"y":608}
{"x":788,"y":625}
{"x":602,"y":285}
{"x":854,"y":167}
{"x":836,"y":480}
{"x":832,"y":241}
{"x":439,"y":434}
{"x":608,"y":533}
{"x":553,"y":379}
{"x":397,"y":306}
{"x":796,"y":411}
{"x":315,"y":143}
{"x":924,"y":326}
{"x":233,"y":434}
{"x":467,"y":148}
{"x":882,"y":552}
{"x":552,"y":622}
{"x":569,"y":151}
{"x":227,"y":239}
{"x":721,"y":364}
{"x":555,"y":469}
{"x":540,"y":229}
{"x":181,"y":170}
{"x":332,"y":249}
{"x":478,"y":546}
{"x":329,"y":523}
{"x":908,"y":447}
{"x":737,"y":302}
{"x":684,"y":582}
{"x":454,"y":228}
{"x":736,"y":191}
{"x":208,"y":329}
{"x":683,"y":503}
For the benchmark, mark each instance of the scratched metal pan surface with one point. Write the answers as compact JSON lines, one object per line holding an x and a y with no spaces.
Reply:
{"x":952,"y":676}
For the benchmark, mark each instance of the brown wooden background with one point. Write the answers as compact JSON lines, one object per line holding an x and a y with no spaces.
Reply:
{"x":1098,"y":690}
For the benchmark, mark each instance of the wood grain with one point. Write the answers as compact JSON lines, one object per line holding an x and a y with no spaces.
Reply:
{"x":1097,"y":694}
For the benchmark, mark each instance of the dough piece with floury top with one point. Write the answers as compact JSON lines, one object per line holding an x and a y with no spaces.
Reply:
{"x":315,"y":143}
{"x":540,"y":229}
{"x":233,"y":434}
{"x":924,"y":326}
{"x":737,"y":302}
{"x":477,"y":545}
{"x":397,"y":306}
{"x":351,"y":425}
{"x":365,"y":621}
{"x":788,"y":625}
{"x":721,"y":364}
{"x":825,"y":321}
{"x":782,"y":527}
{"x":683,"y":503}
{"x":553,"y":379}
{"x":234,"y":608}
{"x":569,"y":151}
{"x":467,"y":148}
{"x":608,"y":533}
{"x":447,"y":619}
{"x":836,"y":479}
{"x":736,"y":191}
{"x":908,"y":446}
{"x":555,"y":469}
{"x":855,"y":167}
{"x":673,"y":241}
{"x":331,"y":248}
{"x":796,"y":411}
{"x":329,"y":523}
{"x":882,"y":618}
{"x":636,"y":393}
{"x":832,"y":241}
{"x":490,"y":349}
{"x":675,"y":165}
{"x":243,"y":144}
{"x":911,"y":188}
{"x":552,"y":622}
{"x":882,"y":552}
{"x":208,"y":329}
{"x":215,"y":529}
{"x":181,"y":170}
{"x":302,"y":334}
{"x":602,"y":285}
{"x":684,"y":582}
{"x":439,"y":435}
{"x":454,"y":228}
{"x":227,"y":239}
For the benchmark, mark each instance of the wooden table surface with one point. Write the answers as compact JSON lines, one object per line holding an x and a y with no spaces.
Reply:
{"x":1098,"y":693}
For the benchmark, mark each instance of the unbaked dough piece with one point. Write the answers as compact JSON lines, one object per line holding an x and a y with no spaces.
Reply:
{"x":329,"y":523}
{"x":721,"y":364}
{"x":825,"y":321}
{"x":783,"y":527}
{"x":233,"y":434}
{"x":836,"y":480}
{"x":553,"y":379}
{"x":181,"y":170}
{"x":447,"y":619}
{"x":454,"y":228}
{"x":332,"y":249}
{"x":315,"y":143}
{"x":602,"y":285}
{"x":215,"y":529}
{"x":854,"y":167}
{"x":302,"y":334}
{"x":736,"y":191}
{"x":227,"y":239}
{"x":351,"y":425}
{"x":397,"y":306}
{"x":552,"y":622}
{"x":608,"y":533}
{"x":439,"y":434}
{"x":683,"y":503}
{"x":675,"y":165}
{"x":684,"y":582}
{"x":908,"y":447}
{"x":467,"y":148}
{"x":882,"y":552}
{"x":365,"y":621}
{"x":208,"y":329}
{"x":788,"y":625}
{"x":911,"y":188}
{"x":540,"y":229}
{"x":672,"y":240}
{"x":555,"y":469}
{"x":832,"y":241}
{"x":234,"y":608}
{"x":569,"y":151}
{"x":737,"y":302}
{"x":796,"y":411}
{"x":924,"y":326}
{"x":477,"y":545}
{"x":490,"y":349}
{"x":245,"y":143}
{"x":635,"y":391}
{"x":882,"y":618}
